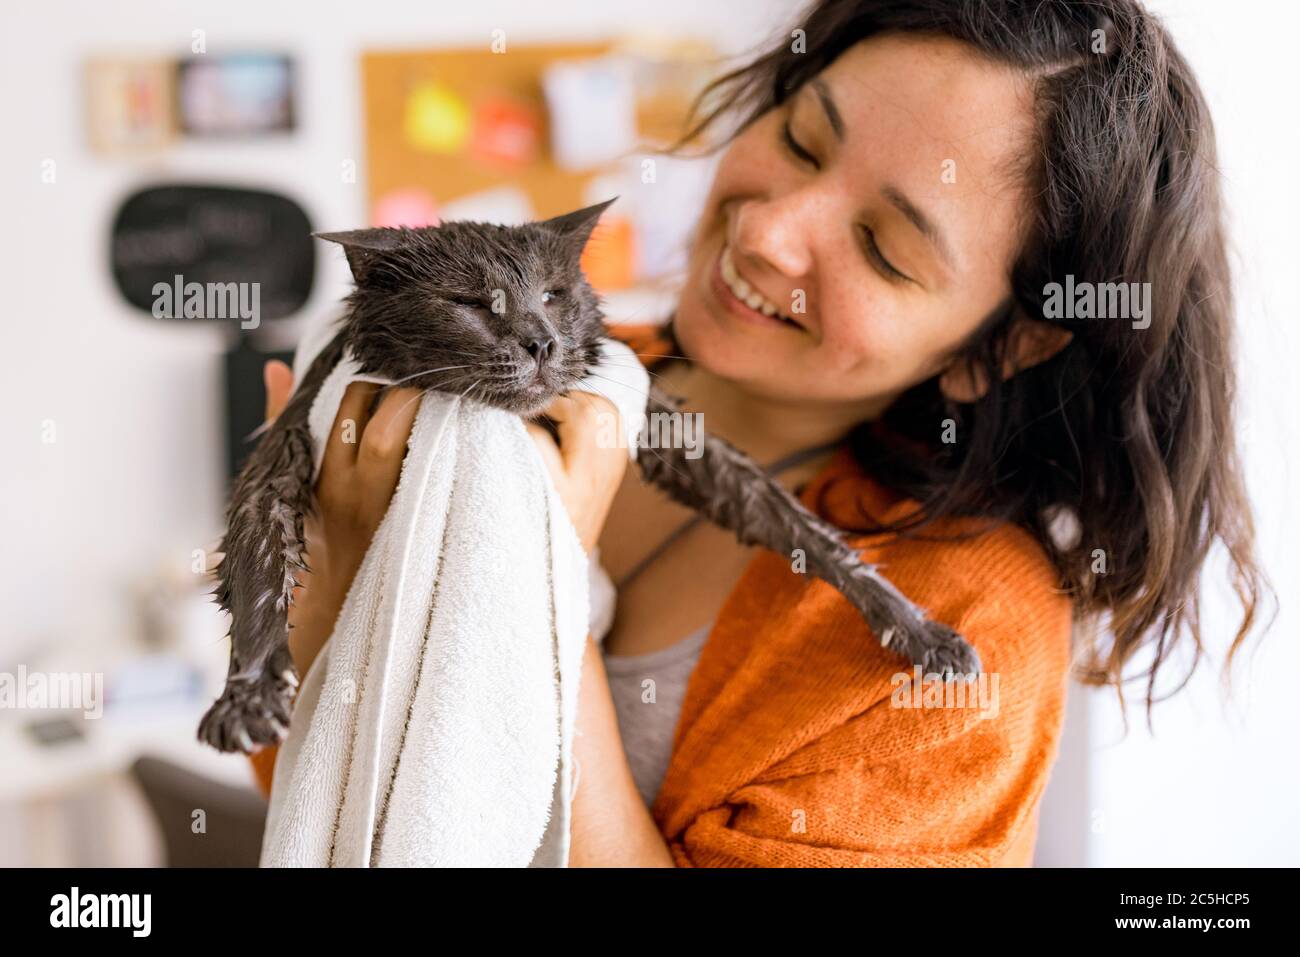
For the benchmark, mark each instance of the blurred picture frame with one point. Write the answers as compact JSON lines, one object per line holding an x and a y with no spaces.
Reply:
{"x":246,"y":94}
{"x":130,"y":104}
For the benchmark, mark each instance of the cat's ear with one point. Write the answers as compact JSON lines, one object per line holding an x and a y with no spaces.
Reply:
{"x":577,"y":225}
{"x":364,"y":246}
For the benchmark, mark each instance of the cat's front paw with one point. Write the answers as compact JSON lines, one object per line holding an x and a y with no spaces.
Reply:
{"x":935,"y":647}
{"x":251,"y":711}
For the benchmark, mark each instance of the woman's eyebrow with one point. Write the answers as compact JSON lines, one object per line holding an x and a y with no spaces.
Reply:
{"x":923,"y":223}
{"x":828,"y":105}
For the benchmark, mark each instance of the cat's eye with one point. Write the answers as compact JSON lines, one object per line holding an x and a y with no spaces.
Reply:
{"x":552,"y":295}
{"x":468,"y":302}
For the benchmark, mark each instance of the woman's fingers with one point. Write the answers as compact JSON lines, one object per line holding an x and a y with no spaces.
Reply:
{"x":588,"y":429}
{"x":278,"y":378}
{"x":349,"y":425}
{"x":383,"y":445}
{"x":550,"y":452}
{"x":589,"y":463}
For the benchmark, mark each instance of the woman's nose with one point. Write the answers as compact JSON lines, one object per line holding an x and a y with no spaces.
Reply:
{"x":776,"y":232}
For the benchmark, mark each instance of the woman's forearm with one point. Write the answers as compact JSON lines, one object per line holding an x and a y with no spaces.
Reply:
{"x":312,"y":618}
{"x":334,"y":560}
{"x":611,"y":826}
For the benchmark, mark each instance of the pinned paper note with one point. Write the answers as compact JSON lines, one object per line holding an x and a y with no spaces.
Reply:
{"x":609,"y":259}
{"x":657,"y":189}
{"x":405,"y":207}
{"x":506,"y":132}
{"x":592,"y":109}
{"x":131,"y":104}
{"x":437,"y":119}
{"x":505,"y":205}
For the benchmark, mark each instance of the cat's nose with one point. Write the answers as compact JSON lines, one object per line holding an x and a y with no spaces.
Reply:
{"x":539,"y":349}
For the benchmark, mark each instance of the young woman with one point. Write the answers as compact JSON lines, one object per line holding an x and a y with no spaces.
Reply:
{"x":877,"y":305}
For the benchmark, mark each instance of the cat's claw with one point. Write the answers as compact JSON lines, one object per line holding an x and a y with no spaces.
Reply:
{"x":935,"y":647}
{"x":903,"y":629}
{"x":251,"y":711}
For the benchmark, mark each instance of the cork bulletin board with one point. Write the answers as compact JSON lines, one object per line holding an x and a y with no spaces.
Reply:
{"x":458,"y":126}
{"x":400,"y":156}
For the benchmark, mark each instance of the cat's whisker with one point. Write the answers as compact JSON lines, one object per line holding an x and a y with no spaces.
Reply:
{"x":651,"y":449}
{"x":428,"y":390}
{"x":660,"y":355}
{"x":419,"y":395}
{"x":597,"y":375}
{"x":464,"y":394}
{"x":415,"y":375}
{"x":608,"y":361}
{"x":640,"y":446}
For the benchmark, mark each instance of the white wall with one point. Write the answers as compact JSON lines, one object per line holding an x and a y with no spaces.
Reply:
{"x":1217,"y":782}
{"x":1218,"y":785}
{"x":134,"y":478}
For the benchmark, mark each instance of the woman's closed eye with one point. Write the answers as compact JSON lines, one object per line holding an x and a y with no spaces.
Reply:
{"x":878,"y":258}
{"x":871,"y":247}
{"x":797,"y":149}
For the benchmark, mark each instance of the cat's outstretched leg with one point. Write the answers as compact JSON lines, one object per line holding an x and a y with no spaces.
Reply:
{"x":732,"y":491}
{"x":262,"y":552}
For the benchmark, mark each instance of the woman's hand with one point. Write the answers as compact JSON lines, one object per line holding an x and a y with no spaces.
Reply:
{"x":586,"y":473}
{"x":358,"y":475}
{"x":610,"y":824}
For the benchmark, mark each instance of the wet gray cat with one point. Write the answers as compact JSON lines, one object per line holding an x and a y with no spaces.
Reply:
{"x":423,"y":311}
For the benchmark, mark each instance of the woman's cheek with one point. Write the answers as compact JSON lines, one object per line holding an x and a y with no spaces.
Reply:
{"x":710,"y":347}
{"x":855,"y":336}
{"x":866,"y":357}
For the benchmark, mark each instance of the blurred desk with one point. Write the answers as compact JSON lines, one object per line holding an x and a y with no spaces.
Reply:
{"x":73,"y":803}
{"x":110,"y":744}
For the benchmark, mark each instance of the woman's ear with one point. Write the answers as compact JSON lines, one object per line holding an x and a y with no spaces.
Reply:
{"x":1029,"y":342}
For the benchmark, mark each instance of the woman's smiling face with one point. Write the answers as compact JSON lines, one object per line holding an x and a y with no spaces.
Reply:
{"x":878,"y":209}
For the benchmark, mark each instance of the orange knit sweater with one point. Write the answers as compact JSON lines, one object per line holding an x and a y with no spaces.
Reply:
{"x":800,"y":742}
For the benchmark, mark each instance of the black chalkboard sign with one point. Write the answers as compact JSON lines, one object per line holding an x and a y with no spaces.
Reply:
{"x":213,"y":254}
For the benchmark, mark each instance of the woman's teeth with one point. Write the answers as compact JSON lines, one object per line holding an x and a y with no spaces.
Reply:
{"x":745,"y":292}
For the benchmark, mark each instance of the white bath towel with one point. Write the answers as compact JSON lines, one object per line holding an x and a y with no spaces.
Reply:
{"x":435,"y":728}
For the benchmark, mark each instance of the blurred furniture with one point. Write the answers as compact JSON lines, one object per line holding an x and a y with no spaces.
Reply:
{"x":77,"y":804}
{"x":204,"y":823}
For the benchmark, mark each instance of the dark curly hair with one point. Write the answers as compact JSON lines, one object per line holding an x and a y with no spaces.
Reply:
{"x":1118,"y":452}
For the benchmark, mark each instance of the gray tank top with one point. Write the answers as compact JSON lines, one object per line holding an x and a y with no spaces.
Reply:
{"x":648,"y":691}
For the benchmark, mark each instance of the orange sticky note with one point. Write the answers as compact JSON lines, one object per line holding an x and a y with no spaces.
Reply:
{"x":436,"y":119}
{"x":610,"y":257}
{"x":505,"y":132}
{"x":405,"y":207}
